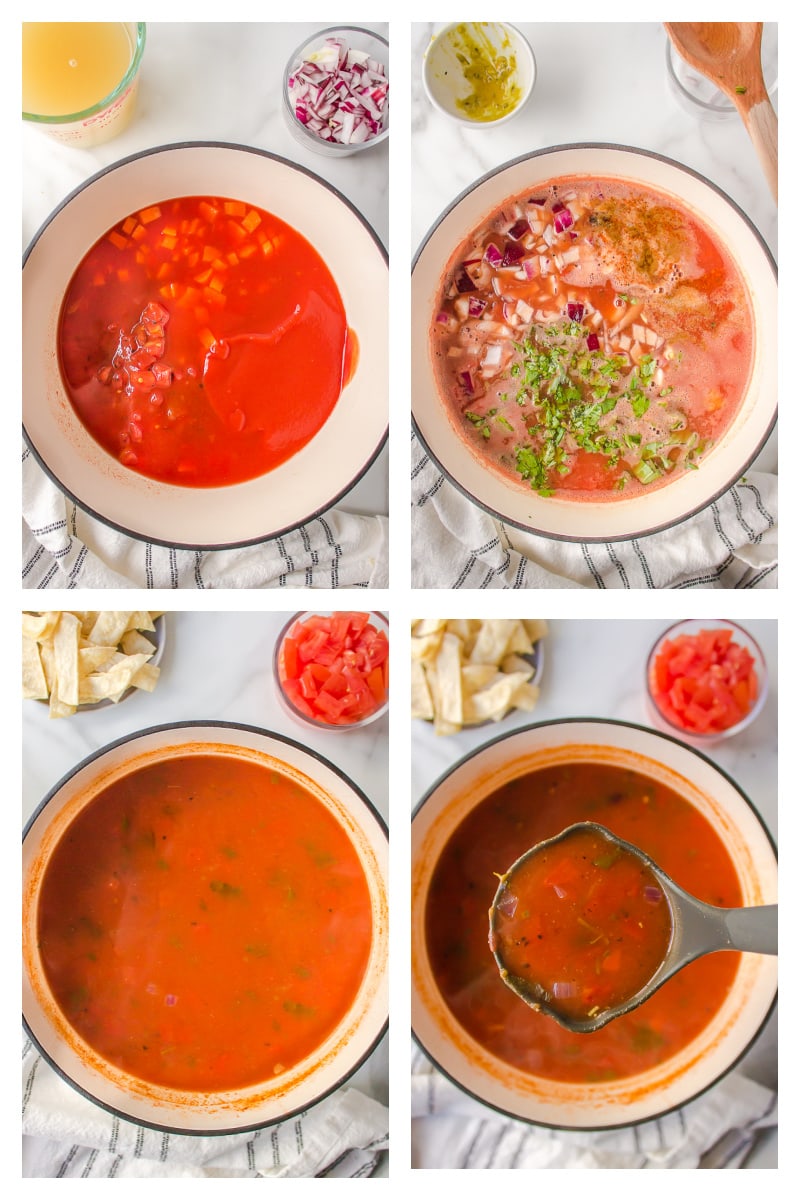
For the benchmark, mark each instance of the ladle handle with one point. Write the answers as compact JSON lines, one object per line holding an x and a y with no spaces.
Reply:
{"x":754,"y":929}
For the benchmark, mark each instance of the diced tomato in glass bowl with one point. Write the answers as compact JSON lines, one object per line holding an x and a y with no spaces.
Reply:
{"x":332,"y":669}
{"x":706,"y":679}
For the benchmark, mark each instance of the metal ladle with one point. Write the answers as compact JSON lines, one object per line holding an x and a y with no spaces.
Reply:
{"x":697,"y":929}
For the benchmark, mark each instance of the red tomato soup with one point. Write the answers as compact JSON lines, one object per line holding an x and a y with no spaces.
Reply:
{"x":203,"y":341}
{"x":497,"y":832}
{"x":204,"y":923}
{"x":580,"y":924}
{"x":592,"y":338}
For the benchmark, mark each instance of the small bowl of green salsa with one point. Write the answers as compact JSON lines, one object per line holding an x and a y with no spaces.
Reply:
{"x":479,"y":72}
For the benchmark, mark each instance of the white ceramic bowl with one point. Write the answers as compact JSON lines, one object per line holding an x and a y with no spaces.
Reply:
{"x":311,"y":1079}
{"x":299,"y":489}
{"x":677,"y":500}
{"x":731,"y":1032}
{"x":444,"y":81}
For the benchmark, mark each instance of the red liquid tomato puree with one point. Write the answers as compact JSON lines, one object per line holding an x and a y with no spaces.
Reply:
{"x":581,"y":924}
{"x":203,"y":341}
{"x":204,"y":923}
{"x":498,"y":830}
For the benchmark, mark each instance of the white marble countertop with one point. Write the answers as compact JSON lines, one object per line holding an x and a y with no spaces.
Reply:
{"x":603,"y":82}
{"x":216,"y":81}
{"x":216,"y":666}
{"x":596,"y":669}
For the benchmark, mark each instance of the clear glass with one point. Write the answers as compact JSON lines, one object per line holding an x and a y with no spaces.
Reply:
{"x":378,"y":619}
{"x":699,"y":95}
{"x":661,"y":721}
{"x":359,"y":39}
{"x":111,"y":115}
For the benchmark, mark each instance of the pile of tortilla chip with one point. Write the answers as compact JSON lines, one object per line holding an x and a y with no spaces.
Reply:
{"x":465,"y":672}
{"x":75,"y":658}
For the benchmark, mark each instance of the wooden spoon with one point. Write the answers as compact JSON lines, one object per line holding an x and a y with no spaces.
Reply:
{"x":729,"y":54}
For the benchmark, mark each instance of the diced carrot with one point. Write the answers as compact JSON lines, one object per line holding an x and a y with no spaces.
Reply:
{"x":235,"y":208}
{"x":170,"y":241}
{"x":117,"y":240}
{"x":247,"y":251}
{"x":203,"y":277}
{"x":251,"y":221}
{"x":123,"y":274}
{"x":150,"y":214}
{"x":236,"y":231}
{"x":267,"y":247}
{"x":232,"y":259}
{"x":164,"y":270}
{"x":129,"y":224}
{"x":219,"y":264}
{"x":207,"y":338}
{"x":98,"y":279}
{"x":139,"y":233}
{"x":215,"y":298}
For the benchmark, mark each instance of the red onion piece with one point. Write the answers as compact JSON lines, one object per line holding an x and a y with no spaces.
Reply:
{"x":519,"y":229}
{"x":466,"y":382}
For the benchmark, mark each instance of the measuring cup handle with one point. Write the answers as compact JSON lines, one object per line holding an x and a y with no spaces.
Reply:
{"x":754,"y":929}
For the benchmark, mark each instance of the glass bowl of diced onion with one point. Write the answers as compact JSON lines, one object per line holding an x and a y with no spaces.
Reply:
{"x":336,"y":91}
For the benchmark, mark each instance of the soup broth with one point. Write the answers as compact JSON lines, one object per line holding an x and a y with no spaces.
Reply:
{"x":203,"y":341}
{"x":494,"y":834}
{"x":592,"y":338}
{"x":204,"y":923}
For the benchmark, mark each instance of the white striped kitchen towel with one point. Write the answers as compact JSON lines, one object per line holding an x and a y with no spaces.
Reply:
{"x":731,"y":544}
{"x":63,"y":547}
{"x":67,"y":1136}
{"x":449,"y":1129}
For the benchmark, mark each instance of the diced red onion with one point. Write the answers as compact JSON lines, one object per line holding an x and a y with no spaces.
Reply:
{"x":508,"y":905}
{"x":466,"y":382}
{"x":540,"y":200}
{"x":464,"y":283}
{"x":519,"y":229}
{"x":563,"y":991}
{"x":492,"y":255}
{"x":563,"y":220}
{"x":341,"y":94}
{"x":593,"y":342}
{"x":575,"y":311}
{"x":653,"y":895}
{"x":512,"y":254}
{"x":476,"y":306}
